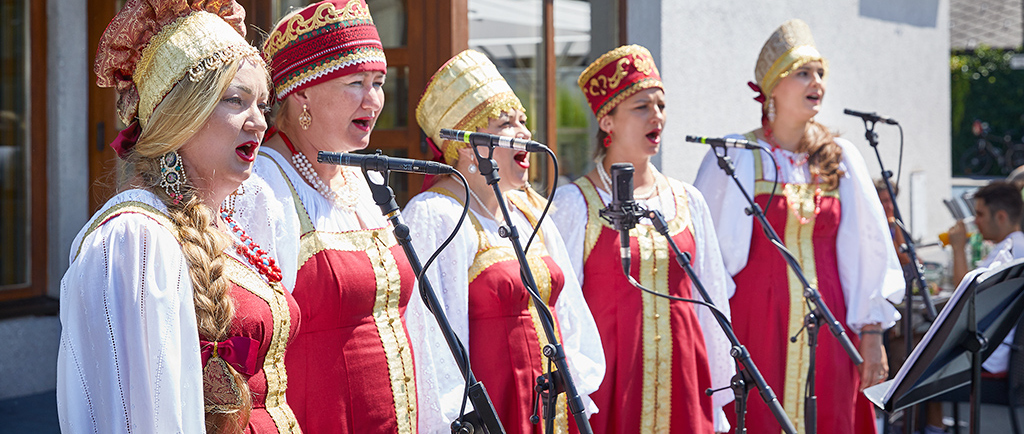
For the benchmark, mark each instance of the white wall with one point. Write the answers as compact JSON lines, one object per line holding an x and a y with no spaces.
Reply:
{"x":884,"y":56}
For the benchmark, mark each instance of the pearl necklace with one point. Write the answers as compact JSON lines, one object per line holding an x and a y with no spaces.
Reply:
{"x":349,"y":196}
{"x":477,"y":199}
{"x":607,"y":179}
{"x":252,"y":252}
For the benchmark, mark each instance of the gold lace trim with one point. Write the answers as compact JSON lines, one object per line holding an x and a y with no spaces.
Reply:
{"x":126,"y":208}
{"x":273,"y":364}
{"x":799,"y":238}
{"x":325,"y":14}
{"x":388,"y":319}
{"x":656,"y":409}
{"x":358,"y":56}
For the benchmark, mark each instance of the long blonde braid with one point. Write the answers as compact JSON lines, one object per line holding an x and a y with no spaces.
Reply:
{"x":183,"y":112}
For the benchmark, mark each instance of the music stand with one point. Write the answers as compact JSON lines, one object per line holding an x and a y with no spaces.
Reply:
{"x":983,"y":309}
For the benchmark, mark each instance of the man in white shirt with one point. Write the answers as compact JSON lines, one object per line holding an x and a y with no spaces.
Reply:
{"x":998,"y":209}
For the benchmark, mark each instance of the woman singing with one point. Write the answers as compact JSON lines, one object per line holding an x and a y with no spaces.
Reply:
{"x":828,"y":215}
{"x":661,"y":355}
{"x":173,"y":319}
{"x":352,"y":365}
{"x":477,"y":276}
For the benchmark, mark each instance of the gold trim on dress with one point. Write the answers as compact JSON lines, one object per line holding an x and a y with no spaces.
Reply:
{"x":799,"y":238}
{"x":128,"y":207}
{"x":488,"y":255}
{"x":273,"y":364}
{"x":656,"y":407}
{"x":387,"y":316}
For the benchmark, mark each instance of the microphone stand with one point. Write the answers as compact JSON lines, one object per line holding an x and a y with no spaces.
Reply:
{"x":560,"y":380}
{"x":488,"y":421}
{"x":740,"y":383}
{"x":819,"y":313}
{"x":912,"y":273}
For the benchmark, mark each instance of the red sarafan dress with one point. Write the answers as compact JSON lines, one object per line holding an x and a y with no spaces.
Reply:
{"x":506,"y":337}
{"x":268,"y":314}
{"x":657,"y":363}
{"x":351,"y":366}
{"x":769,"y":307}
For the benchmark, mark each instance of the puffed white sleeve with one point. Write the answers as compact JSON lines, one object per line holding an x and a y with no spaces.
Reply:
{"x":718,"y":283}
{"x":869,"y":270}
{"x":431,"y":217}
{"x":569,"y":214}
{"x":726,"y":203}
{"x":580,"y":338}
{"x":129,"y":351}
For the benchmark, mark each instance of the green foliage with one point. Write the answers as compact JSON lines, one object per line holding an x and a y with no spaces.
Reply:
{"x":984,"y":87}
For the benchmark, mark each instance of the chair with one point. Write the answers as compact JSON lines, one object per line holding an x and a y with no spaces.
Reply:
{"x":1005,"y":390}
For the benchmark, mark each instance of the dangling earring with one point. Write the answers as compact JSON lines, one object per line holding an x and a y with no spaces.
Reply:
{"x":472,"y":168}
{"x":771,"y":110}
{"x":608,"y":139}
{"x":305,"y":120}
{"x":172,"y":176}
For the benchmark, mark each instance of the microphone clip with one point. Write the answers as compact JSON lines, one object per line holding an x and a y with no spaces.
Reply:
{"x":624,"y":217}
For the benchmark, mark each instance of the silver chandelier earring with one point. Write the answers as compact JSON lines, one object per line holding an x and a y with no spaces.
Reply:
{"x":172,"y":176}
{"x":771,"y":110}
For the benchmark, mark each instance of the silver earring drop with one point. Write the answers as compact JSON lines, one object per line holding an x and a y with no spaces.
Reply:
{"x":472,"y":168}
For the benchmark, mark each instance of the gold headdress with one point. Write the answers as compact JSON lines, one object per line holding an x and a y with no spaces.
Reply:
{"x":463,"y":95}
{"x":152,"y":44}
{"x":788,"y":48}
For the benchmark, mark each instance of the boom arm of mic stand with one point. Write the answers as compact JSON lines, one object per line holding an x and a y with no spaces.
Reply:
{"x":916,"y":274}
{"x":738,"y":351}
{"x":384,"y":197}
{"x":488,"y":170}
{"x":810,"y":293}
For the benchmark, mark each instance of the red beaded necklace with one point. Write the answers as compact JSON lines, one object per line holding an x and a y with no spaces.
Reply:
{"x":794,"y":205}
{"x":251,"y":251}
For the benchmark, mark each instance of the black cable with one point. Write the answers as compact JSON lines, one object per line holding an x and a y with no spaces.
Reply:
{"x":423,"y":272}
{"x":899,"y":166}
{"x":551,"y":197}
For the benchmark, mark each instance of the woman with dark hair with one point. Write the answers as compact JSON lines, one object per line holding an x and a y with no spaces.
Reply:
{"x":828,"y":215}
{"x":170,"y":313}
{"x":661,"y":355}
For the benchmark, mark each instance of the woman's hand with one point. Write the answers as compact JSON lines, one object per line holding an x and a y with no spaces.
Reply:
{"x":875,"y":368}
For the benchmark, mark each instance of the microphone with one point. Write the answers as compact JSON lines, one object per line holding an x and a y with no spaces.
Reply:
{"x":871,"y":117}
{"x":382,"y":163}
{"x":621,"y":208}
{"x":492,"y":140}
{"x":729,"y":143}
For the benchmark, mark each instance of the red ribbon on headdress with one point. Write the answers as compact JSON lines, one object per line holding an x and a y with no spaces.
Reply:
{"x":126,"y":139}
{"x":239,"y":351}
{"x":430,"y":180}
{"x":760,"y":93}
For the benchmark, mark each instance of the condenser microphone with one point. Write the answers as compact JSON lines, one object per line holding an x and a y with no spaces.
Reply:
{"x":492,"y":140}
{"x":729,"y":143}
{"x":382,"y":163}
{"x":622,"y":206}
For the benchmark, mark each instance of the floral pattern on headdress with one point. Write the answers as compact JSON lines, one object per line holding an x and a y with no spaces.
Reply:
{"x":121,"y":47}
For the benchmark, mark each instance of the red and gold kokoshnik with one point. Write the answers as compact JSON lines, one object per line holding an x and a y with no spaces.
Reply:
{"x":321,"y":42}
{"x":617,"y":75}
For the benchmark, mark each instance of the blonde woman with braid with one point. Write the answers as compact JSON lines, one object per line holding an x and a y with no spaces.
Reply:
{"x":828,"y":214}
{"x":173,"y":319}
